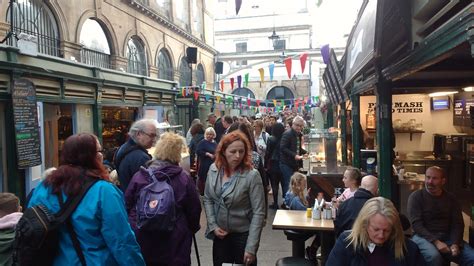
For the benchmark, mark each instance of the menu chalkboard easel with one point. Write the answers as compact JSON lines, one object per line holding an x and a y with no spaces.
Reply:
{"x":25,"y":116}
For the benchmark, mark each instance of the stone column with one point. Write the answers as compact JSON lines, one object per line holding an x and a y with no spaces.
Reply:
{"x":119,"y":63}
{"x":71,"y":50}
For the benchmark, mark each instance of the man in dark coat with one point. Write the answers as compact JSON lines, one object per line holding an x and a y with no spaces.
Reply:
{"x":291,"y":152}
{"x":349,"y":209}
{"x":133,"y":154}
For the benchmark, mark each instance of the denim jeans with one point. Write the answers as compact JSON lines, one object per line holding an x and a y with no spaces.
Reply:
{"x":286,"y":173}
{"x":434,"y":258}
{"x":275,"y":179}
{"x":231,"y":249}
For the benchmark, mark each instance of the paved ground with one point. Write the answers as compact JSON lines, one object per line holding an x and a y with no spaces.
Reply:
{"x":273,"y":244}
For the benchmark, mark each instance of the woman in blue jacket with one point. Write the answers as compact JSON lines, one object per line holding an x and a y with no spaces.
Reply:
{"x":100,"y":220}
{"x":376,"y":239}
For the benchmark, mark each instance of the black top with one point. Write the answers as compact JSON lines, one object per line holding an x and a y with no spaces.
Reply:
{"x":436,"y":218}
{"x":349,"y":209}
{"x":289,"y":148}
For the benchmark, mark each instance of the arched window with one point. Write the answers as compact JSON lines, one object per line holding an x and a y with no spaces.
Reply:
{"x":280,"y":92}
{"x":136,"y":57}
{"x":95,"y":46}
{"x":33,"y":17}
{"x":165,"y":68}
{"x":200,"y":77}
{"x":244,"y":92}
{"x":184,"y":73}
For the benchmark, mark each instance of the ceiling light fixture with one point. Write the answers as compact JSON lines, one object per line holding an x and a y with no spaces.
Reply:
{"x":468,"y":89}
{"x":442,"y":93}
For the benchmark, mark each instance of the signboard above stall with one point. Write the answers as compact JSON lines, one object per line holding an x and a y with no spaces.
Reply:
{"x":360,"y":49}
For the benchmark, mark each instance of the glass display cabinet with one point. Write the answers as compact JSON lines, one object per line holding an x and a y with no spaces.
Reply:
{"x":325,"y":162}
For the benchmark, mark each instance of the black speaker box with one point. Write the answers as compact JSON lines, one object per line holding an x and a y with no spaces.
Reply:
{"x":219,"y":67}
{"x":191,"y":55}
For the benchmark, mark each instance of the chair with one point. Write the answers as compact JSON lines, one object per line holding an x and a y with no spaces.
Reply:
{"x":293,"y":261}
{"x":297,"y":241}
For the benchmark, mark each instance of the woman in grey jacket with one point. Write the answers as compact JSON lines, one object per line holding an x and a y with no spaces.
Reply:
{"x":234,"y":203}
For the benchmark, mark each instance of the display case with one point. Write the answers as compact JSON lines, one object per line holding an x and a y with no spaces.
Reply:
{"x":325,"y":163}
{"x":324,"y":149}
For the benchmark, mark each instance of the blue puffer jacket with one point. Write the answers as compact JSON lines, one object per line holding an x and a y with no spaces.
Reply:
{"x":101,"y":224}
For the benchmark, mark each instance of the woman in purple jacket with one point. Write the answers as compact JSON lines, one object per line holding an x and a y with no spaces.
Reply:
{"x":172,"y":248}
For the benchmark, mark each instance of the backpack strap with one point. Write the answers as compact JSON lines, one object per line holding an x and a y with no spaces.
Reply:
{"x":64,"y":215}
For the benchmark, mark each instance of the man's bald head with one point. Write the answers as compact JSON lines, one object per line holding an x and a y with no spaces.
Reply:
{"x":370,"y":183}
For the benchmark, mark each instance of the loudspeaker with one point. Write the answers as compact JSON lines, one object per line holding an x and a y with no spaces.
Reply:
{"x":219,"y":67}
{"x":191,"y":55}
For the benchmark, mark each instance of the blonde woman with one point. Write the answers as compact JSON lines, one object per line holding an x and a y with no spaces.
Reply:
{"x":376,"y":239}
{"x":173,"y":248}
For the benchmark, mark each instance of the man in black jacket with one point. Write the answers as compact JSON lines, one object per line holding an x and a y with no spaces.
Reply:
{"x":133,"y":153}
{"x":350,"y":208}
{"x":291,"y":152}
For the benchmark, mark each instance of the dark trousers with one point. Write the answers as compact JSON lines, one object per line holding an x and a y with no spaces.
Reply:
{"x":275,"y":180}
{"x":231,"y":249}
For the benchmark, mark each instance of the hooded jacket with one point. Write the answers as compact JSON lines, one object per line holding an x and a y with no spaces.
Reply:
{"x":174,"y":248}
{"x":349,"y":209}
{"x":7,"y":235}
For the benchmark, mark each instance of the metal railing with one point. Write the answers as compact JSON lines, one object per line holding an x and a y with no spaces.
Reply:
{"x":95,"y":58}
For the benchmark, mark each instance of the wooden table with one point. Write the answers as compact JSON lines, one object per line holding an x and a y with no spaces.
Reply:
{"x":297,"y":220}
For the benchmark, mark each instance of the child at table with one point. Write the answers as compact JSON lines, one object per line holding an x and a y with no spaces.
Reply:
{"x":296,"y":199}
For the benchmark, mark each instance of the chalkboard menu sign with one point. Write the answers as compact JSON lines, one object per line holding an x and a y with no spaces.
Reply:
{"x":26,"y":123}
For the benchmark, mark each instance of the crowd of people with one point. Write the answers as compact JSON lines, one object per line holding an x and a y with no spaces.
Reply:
{"x":238,"y":162}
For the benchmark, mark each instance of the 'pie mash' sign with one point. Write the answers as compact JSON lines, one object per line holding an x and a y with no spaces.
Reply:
{"x":401,"y":107}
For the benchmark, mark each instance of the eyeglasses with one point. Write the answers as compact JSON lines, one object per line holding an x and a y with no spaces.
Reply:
{"x":151,"y":135}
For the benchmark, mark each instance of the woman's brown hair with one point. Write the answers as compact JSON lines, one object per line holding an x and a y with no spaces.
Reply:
{"x":228,"y":139}
{"x":79,"y":158}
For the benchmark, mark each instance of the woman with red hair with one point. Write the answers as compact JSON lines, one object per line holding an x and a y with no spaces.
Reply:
{"x":234,"y":202}
{"x":99,"y":223}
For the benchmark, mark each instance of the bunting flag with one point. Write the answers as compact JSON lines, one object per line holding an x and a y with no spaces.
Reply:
{"x":288,"y":66}
{"x":183,"y":92}
{"x":303,"y":58}
{"x":232,"y":83}
{"x":275,"y":102}
{"x":248,"y":101}
{"x":203,"y":85}
{"x":305,"y":99}
{"x":207,"y":96}
{"x":297,"y":102}
{"x":239,"y":81}
{"x":271,"y":67}
{"x":283,"y":103}
{"x":238,"y":4}
{"x":246,"y":77}
{"x":218,"y":98}
{"x":258,"y":102}
{"x":196,"y":95}
{"x":262,"y":73}
{"x":222,"y":85}
{"x":325,"y":53}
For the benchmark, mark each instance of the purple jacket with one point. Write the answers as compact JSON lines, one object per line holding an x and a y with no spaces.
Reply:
{"x":174,"y":248}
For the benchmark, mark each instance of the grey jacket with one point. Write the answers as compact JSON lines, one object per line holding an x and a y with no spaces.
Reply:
{"x":241,"y":207}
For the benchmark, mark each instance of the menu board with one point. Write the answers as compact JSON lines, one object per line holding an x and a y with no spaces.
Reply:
{"x":25,"y":115}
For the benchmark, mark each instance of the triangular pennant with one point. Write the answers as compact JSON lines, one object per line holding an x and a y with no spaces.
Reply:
{"x":325,"y":53}
{"x":262,"y":74}
{"x":303,"y":59}
{"x":207,"y":97}
{"x":238,"y":4}
{"x":239,"y":81}
{"x":288,"y":66}
{"x":248,"y":101}
{"x":271,"y":67}
{"x":196,"y":95}
{"x":232,"y":83}
{"x":222,"y":85}
{"x":246,"y":78}
{"x":275,"y":102}
{"x":203,"y":86}
{"x":258,"y":102}
{"x":218,"y":98}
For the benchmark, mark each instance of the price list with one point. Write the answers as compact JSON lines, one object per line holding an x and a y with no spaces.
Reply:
{"x":26,"y":123}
